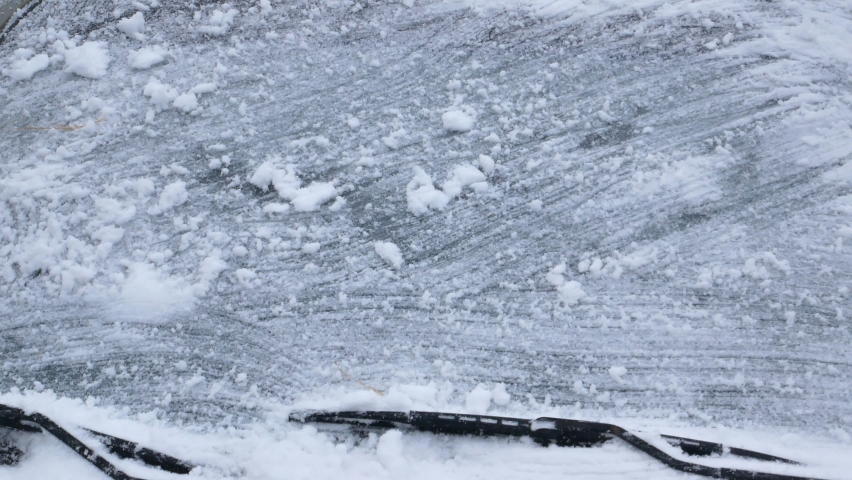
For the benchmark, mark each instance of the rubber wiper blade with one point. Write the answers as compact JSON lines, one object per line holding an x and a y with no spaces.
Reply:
{"x":16,"y":419}
{"x":549,"y":430}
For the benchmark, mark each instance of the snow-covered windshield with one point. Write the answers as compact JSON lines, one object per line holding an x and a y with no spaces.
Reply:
{"x":210,"y":211}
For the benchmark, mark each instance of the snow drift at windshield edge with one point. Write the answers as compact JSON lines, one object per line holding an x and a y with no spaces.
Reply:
{"x":634,"y":209}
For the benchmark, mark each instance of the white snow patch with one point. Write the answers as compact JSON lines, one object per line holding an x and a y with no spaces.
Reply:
{"x":108,"y":234}
{"x":245,"y":276}
{"x":478,"y":400}
{"x":89,"y":60}
{"x":616,"y":372}
{"x":147,"y":57}
{"x":151,"y":296}
{"x":422,"y":194}
{"x":133,"y":26}
{"x":203,"y":88}
{"x":458,"y":121}
{"x":288,"y":186}
{"x":219,"y":22}
{"x":23,"y":69}
{"x":173,"y":195}
{"x":209,"y":270}
{"x":500,"y":396}
{"x":311,"y":247}
{"x":486,"y":163}
{"x":309,"y":199}
{"x":186,"y":102}
{"x":162,"y":95}
{"x":554,"y":276}
{"x":276,"y":208}
{"x":390,"y":253}
{"x":460,"y":177}
{"x":571,"y":292}
{"x":389,"y":451}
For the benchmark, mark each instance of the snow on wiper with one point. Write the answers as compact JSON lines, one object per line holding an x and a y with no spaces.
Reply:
{"x":548,"y":430}
{"x":16,"y":419}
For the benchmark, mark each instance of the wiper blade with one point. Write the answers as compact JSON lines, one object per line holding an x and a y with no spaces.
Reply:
{"x":548,"y":430}
{"x":16,"y":419}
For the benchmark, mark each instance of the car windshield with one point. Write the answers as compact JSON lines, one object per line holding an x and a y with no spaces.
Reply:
{"x":213,"y":213}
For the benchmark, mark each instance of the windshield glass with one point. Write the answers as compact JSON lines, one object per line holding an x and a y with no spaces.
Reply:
{"x":588,"y":208}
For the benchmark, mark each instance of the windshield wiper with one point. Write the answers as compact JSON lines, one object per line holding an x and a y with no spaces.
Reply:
{"x":16,"y":419}
{"x":542,"y":430}
{"x":547,"y":431}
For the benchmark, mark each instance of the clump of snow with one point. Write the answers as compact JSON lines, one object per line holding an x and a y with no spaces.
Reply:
{"x":422,"y":194}
{"x":262,"y":177}
{"x":89,"y":60}
{"x":500,"y":396}
{"x":462,"y":176}
{"x":151,"y":296}
{"x":133,"y":26}
{"x":219,"y":22}
{"x":162,"y":95}
{"x":245,"y":276}
{"x":208,"y":270}
{"x":616,"y":372}
{"x":147,"y":57}
{"x":108,"y":234}
{"x":288,"y":186}
{"x":203,"y":88}
{"x":571,"y":292}
{"x":486,"y":163}
{"x":308,"y":199}
{"x":457,"y":121}
{"x":554,"y":276}
{"x":311,"y":248}
{"x":390,"y":253}
{"x":478,"y":400}
{"x":265,"y":7}
{"x":389,"y":451}
{"x":276,"y":208}
{"x":25,"y":69}
{"x":173,"y":195}
{"x":186,"y":102}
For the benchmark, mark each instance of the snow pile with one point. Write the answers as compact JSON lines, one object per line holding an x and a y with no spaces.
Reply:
{"x":219,"y":22}
{"x":151,"y":296}
{"x":89,"y":60}
{"x":421,"y":194}
{"x":571,"y":292}
{"x":390,"y":253}
{"x":147,"y":57}
{"x":458,"y":120}
{"x":133,"y":26}
{"x":288,"y":186}
{"x":162,"y":95}
{"x":462,"y":176}
{"x":272,"y":447}
{"x":26,"y":65}
{"x":186,"y":102}
{"x":173,"y":195}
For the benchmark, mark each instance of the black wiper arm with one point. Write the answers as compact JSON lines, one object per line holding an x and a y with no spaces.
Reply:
{"x":548,"y":430}
{"x":16,"y":419}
